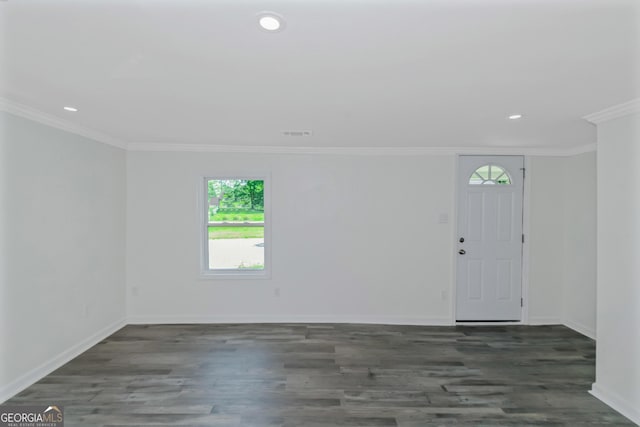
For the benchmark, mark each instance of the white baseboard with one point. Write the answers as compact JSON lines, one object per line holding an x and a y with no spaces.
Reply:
{"x":580,"y":328}
{"x":544,"y":321}
{"x":500,"y":323}
{"x":55,"y":362}
{"x":615,"y":401}
{"x":385,"y":320}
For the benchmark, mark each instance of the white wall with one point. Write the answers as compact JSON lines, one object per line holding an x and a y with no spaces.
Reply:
{"x":546,"y":239}
{"x":579,"y":257}
{"x":562,"y":238}
{"x":618,"y":330}
{"x":63,"y":240}
{"x":335,"y":257}
{"x":354,"y":239}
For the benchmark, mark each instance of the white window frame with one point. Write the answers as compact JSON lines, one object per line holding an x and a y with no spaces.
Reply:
{"x":203,"y":207}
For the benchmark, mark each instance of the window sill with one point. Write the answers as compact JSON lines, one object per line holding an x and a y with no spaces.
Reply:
{"x":235,"y":275}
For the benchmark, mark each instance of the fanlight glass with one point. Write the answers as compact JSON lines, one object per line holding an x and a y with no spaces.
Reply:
{"x":490,"y":175}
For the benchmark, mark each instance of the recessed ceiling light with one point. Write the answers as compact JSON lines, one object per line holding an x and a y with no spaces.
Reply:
{"x":72,"y":109}
{"x":270,"y":21}
{"x":515,"y":116}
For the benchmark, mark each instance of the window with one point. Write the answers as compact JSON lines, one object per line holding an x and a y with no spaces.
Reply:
{"x":490,"y":175}
{"x":234,"y":226}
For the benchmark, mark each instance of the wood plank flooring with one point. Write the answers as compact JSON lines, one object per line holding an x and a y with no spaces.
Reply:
{"x":329,"y":375}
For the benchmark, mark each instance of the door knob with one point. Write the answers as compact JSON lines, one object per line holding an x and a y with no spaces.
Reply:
{"x":462,"y":252}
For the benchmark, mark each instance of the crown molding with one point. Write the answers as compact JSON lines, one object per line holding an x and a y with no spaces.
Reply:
{"x":41,"y":117}
{"x":582,"y":149}
{"x":253,"y":149}
{"x":614,"y":112}
{"x":361,"y":151}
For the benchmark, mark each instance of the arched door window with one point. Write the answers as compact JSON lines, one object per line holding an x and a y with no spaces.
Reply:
{"x":490,"y":175}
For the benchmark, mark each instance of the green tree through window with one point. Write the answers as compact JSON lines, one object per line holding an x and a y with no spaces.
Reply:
{"x":235,"y":226}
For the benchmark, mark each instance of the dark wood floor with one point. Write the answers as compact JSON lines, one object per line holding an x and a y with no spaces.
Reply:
{"x":329,"y":375}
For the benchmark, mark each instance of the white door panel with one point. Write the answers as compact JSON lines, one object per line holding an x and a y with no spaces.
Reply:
{"x":489,"y":264}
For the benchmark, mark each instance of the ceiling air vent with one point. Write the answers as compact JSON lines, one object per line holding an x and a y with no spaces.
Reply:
{"x":297,"y":132}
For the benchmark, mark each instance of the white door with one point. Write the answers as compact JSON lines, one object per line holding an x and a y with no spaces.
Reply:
{"x":489,"y":258}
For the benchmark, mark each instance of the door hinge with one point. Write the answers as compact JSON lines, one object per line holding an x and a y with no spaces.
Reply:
{"x":521,"y":302}
{"x":523,"y":238}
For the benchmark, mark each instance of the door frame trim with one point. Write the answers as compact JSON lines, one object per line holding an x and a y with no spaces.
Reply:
{"x":526,"y":227}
